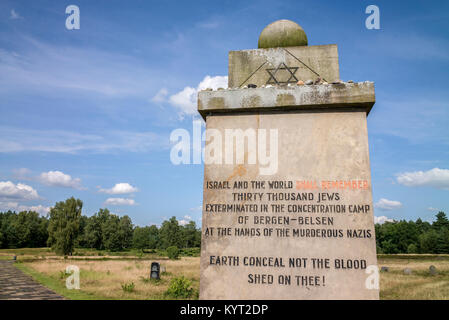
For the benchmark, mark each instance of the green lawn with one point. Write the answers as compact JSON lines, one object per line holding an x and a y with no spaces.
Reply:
{"x":57,"y":285}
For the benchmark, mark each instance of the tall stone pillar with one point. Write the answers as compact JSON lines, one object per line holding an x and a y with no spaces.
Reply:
{"x":287,"y":208}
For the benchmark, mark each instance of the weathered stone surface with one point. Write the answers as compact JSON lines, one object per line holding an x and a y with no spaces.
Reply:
{"x":433,"y":270}
{"x":250,"y":66}
{"x":315,"y":148}
{"x":335,"y":97}
{"x":287,"y":207}
{"x":282,"y":33}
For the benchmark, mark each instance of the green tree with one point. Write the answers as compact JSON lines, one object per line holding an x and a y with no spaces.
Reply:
{"x":125,"y":232}
{"x":172,"y":252}
{"x":428,"y":242}
{"x":28,"y":229}
{"x":93,"y":230}
{"x":191,"y":236}
{"x":7,"y":230}
{"x":170,"y":234}
{"x":154,"y":240}
{"x":141,"y":237}
{"x":443,"y":241}
{"x":110,"y":231}
{"x":395,"y":237}
{"x":43,"y":232}
{"x":441,"y":222}
{"x":422,"y":226}
{"x":63,"y":227}
{"x":412,"y":248}
{"x":81,"y":240}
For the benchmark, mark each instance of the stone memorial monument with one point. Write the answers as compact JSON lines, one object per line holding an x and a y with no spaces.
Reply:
{"x":287,"y":208}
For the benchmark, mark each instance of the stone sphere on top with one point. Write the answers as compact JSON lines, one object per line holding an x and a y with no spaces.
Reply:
{"x":282,"y":33}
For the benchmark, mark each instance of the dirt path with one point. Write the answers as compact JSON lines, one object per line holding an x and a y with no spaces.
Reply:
{"x":16,"y":285}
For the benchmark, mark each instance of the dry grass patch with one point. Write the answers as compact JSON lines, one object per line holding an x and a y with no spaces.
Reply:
{"x":420,"y":284}
{"x":106,"y":278}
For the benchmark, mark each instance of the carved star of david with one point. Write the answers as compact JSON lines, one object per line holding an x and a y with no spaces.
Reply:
{"x":272,"y":72}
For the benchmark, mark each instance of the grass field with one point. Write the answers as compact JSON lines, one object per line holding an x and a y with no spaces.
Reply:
{"x":394,"y":284}
{"x":103,"y":274}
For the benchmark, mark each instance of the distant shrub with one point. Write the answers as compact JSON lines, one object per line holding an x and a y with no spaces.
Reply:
{"x":62,"y":274}
{"x":128,"y":287}
{"x":173,"y":252}
{"x":180,"y":287}
{"x":145,"y":279}
{"x":412,"y":248}
{"x":150,"y":280}
{"x":190,"y":252}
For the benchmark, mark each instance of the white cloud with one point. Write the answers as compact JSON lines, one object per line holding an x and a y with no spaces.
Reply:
{"x":433,"y":209}
{"x":49,"y":68}
{"x":22,"y":174}
{"x":119,"y":202}
{"x":14,"y":15}
{"x":437,"y":178}
{"x":185,"y":221}
{"x":39,"y":209}
{"x":160,"y":96}
{"x":186,"y":100}
{"x":382,"y":219}
{"x":386,"y":205}
{"x":213,"y":82}
{"x":197,"y":209}
{"x":59,"y":179}
{"x":20,"y":191}
{"x":14,"y":206}
{"x":60,"y":141}
{"x":120,"y":188}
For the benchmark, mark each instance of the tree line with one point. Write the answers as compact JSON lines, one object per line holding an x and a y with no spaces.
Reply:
{"x":65,"y":228}
{"x":414,"y":236}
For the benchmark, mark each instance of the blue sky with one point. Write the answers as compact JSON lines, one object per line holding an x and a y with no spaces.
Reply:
{"x":84,"y":110}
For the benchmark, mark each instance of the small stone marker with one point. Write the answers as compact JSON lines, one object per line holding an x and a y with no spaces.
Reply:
{"x":155,"y":270}
{"x":433,"y":270}
{"x":408,"y":271}
{"x":287,"y":206}
{"x":384,"y":269}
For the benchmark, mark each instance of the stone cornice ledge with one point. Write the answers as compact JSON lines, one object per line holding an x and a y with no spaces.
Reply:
{"x":333,"y":97}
